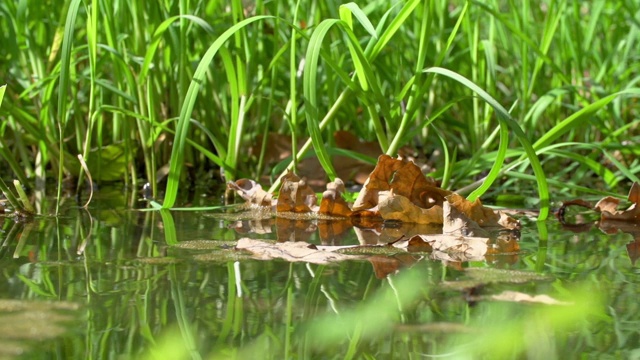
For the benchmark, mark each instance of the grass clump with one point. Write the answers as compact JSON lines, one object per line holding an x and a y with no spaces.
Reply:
{"x":546,"y":91}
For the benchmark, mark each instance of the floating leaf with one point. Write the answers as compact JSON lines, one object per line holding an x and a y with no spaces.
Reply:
{"x":608,"y":206}
{"x":332,"y":203}
{"x":251,"y":191}
{"x":296,"y":196}
{"x":398,"y":207}
{"x":291,"y":251}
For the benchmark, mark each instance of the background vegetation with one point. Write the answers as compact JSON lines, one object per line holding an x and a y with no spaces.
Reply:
{"x":145,"y":89}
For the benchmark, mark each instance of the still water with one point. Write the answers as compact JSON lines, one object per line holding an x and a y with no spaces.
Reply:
{"x":111,"y":282}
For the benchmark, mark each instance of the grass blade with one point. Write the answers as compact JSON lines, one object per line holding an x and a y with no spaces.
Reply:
{"x":504,"y":117}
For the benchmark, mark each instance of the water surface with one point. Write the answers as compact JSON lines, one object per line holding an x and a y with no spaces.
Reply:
{"x":113,"y":282}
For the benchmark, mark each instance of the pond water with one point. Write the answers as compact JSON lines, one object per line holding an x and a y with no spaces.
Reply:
{"x":111,"y":282}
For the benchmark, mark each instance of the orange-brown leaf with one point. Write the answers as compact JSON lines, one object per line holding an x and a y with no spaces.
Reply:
{"x":403,"y":177}
{"x":295,"y":195}
{"x":332,"y":203}
{"x":398,"y":207}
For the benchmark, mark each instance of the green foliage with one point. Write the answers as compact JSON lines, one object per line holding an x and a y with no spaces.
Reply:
{"x":201,"y":82}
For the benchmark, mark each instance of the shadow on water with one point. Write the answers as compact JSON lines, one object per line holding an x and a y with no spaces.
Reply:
{"x":112,"y":282}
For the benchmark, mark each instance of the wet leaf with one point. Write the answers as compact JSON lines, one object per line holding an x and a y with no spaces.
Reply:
{"x":482,"y":215}
{"x":398,"y":207}
{"x":296,"y":196}
{"x":405,"y":179}
{"x":251,"y":191}
{"x":291,"y":251}
{"x":415,"y":243}
{"x":608,"y":206}
{"x":458,"y":223}
{"x":332,"y":203}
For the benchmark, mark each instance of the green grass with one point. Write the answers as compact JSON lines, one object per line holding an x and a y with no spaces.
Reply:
{"x":493,"y":84}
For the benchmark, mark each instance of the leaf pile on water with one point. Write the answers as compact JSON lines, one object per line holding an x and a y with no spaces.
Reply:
{"x":396,"y":191}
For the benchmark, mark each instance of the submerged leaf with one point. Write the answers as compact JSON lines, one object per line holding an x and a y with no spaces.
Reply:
{"x":291,"y":251}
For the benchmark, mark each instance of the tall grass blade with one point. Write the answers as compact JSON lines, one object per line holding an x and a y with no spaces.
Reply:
{"x":65,"y":77}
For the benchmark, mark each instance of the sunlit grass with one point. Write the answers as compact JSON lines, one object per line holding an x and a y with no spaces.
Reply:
{"x":198,"y":84}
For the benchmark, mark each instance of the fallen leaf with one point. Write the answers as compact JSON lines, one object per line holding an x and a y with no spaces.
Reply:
{"x":332,"y":203}
{"x":291,"y":251}
{"x":251,"y":192}
{"x":515,"y":296}
{"x":398,"y":207}
{"x":608,"y":206}
{"x":482,"y":215}
{"x":295,"y":195}
{"x":403,"y":177}
{"x":458,"y":223}
{"x":454,"y":248}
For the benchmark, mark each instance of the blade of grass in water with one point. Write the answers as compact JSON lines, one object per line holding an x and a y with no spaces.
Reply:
{"x":65,"y":78}
{"x":507,"y":122}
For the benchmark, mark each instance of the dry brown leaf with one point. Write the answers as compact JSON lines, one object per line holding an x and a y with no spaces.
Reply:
{"x":405,"y":179}
{"x":398,"y":207}
{"x":458,"y":223}
{"x":608,"y":206}
{"x":482,"y":215}
{"x":332,"y":203}
{"x":295,"y":195}
{"x":515,"y":296}
{"x":251,"y":191}
{"x":633,"y":250}
{"x":291,"y":251}
{"x":455,"y":248}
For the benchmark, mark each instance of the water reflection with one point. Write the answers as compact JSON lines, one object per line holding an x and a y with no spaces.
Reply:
{"x":139,"y":292}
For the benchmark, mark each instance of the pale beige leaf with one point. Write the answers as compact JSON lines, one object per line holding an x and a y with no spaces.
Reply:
{"x":290,"y":251}
{"x":515,"y":296}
